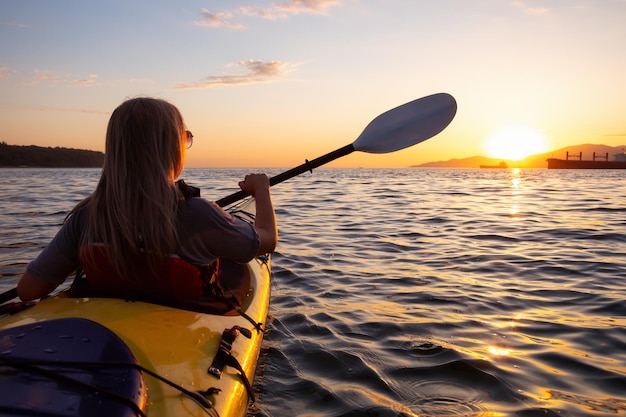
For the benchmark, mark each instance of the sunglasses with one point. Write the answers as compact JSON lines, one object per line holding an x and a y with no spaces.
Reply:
{"x":189,"y":139}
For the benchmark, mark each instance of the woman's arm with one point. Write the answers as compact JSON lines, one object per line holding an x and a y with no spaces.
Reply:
{"x":30,"y":287}
{"x":258,"y":185}
{"x":54,"y":264}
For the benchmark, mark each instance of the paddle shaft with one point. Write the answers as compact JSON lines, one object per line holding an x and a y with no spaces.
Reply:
{"x":8,"y":295}
{"x":293,"y":172}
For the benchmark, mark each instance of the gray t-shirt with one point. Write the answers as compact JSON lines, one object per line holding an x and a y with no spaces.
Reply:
{"x":206,"y":232}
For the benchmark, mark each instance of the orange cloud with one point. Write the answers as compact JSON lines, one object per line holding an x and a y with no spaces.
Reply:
{"x":6,"y":73}
{"x":50,"y":109}
{"x":216,"y":19}
{"x":14,"y":24}
{"x":256,"y":71}
{"x":38,"y":76}
{"x":274,"y":12}
{"x":283,"y":10}
{"x":530,"y":10}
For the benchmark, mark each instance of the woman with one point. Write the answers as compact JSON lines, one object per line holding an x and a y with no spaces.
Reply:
{"x":126,"y":233}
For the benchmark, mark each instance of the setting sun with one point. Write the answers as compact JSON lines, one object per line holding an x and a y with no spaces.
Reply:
{"x":515,"y":143}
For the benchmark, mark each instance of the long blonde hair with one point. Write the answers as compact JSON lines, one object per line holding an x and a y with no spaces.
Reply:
{"x":133,"y":208}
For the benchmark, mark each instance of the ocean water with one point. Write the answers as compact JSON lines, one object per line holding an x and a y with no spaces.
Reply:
{"x":415,"y":292}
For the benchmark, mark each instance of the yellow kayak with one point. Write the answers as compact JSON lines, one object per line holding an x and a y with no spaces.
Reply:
{"x":186,"y":363}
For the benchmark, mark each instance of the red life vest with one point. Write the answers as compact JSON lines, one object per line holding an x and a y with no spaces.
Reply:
{"x":220,"y":288}
{"x":177,"y":281}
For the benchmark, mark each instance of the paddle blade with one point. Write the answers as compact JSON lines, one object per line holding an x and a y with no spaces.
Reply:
{"x":407,"y":125}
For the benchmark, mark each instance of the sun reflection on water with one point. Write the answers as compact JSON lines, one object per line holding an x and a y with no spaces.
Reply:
{"x":516,"y":180}
{"x":514,"y":211}
{"x":499,"y":351}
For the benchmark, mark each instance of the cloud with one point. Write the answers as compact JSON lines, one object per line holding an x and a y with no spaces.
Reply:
{"x":91,"y":80}
{"x":6,"y":73}
{"x":217,"y":19}
{"x":59,"y":110}
{"x":255,"y":71}
{"x":528,"y":9}
{"x":273,"y":12}
{"x":307,"y":6}
{"x":285,"y":9}
{"x":14,"y":24}
{"x":141,"y":81}
{"x":38,"y":77}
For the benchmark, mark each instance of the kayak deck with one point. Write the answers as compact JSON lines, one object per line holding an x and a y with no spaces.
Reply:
{"x":178,"y":345}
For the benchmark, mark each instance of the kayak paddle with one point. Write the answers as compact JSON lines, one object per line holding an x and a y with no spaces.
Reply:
{"x":398,"y":128}
{"x":8,"y":295}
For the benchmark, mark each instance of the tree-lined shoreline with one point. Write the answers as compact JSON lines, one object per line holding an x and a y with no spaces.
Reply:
{"x":48,"y":157}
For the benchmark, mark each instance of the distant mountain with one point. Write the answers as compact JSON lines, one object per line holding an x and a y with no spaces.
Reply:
{"x":533,"y":161}
{"x":37,"y":156}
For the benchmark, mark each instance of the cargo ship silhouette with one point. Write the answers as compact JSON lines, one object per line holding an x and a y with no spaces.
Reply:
{"x":575,"y":161}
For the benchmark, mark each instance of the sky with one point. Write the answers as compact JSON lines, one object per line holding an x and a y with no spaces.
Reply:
{"x":264,"y":84}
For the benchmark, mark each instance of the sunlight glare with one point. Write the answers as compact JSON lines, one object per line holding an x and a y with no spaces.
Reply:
{"x":515,"y":143}
{"x":499,"y":351}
